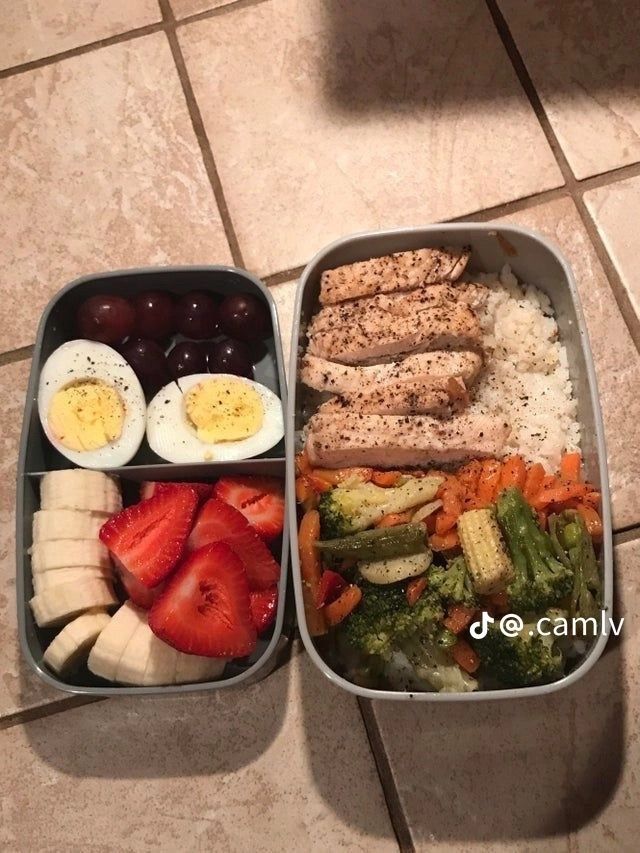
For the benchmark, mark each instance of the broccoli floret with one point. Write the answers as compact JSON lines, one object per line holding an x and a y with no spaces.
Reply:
{"x":350,"y":508}
{"x":453,"y":584}
{"x":384,"y":620}
{"x":540,"y":579}
{"x":526,"y":659}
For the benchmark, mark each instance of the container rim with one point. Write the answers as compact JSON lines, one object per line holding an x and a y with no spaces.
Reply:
{"x":252,"y":672}
{"x":597,"y":648}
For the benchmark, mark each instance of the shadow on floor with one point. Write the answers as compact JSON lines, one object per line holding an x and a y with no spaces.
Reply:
{"x":385,"y":54}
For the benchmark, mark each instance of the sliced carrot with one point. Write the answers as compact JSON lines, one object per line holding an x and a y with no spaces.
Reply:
{"x":305,"y":494}
{"x":345,"y":604}
{"x":570,"y":465}
{"x":459,"y":617}
{"x":498,"y":602}
{"x":558,"y":494}
{"x":465,"y":656}
{"x":335,"y":476}
{"x":415,"y":588}
{"x":395,"y":518}
{"x":318,"y":484}
{"x":489,"y":481}
{"x":469,"y":476}
{"x":514,"y":472}
{"x":311,"y":570}
{"x":592,"y":499}
{"x":451,"y":502}
{"x":444,"y":542}
{"x":385,"y":478}
{"x":533,"y":482}
{"x":548,"y":481}
{"x":445,"y":521}
{"x":303,"y":466}
{"x":592,"y":521}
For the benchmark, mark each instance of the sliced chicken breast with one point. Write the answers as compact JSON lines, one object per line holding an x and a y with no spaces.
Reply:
{"x":342,"y":439}
{"x":449,"y":326}
{"x":400,"y":271}
{"x":429,"y":368}
{"x":381,"y":308}
{"x":406,"y":397}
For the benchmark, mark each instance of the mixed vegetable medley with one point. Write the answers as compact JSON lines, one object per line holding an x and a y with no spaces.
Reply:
{"x":398,"y":565}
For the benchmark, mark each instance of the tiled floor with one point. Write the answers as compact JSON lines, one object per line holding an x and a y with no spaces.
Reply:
{"x":255,"y":132}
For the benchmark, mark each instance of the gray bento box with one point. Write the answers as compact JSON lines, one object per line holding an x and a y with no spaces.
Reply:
{"x":37,"y":456}
{"x":533,"y":260}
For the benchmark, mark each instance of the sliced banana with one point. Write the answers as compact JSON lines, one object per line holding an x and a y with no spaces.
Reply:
{"x":193,"y":668}
{"x":59,"y":604}
{"x":53,"y":524}
{"x":161,"y":662}
{"x":110,"y":645}
{"x":395,"y":569}
{"x":71,"y":646}
{"x":68,"y":553}
{"x":146,"y":659}
{"x":47,"y":580}
{"x":77,"y":488}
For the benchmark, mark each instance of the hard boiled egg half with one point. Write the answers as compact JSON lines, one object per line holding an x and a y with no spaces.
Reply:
{"x":213,"y":417}
{"x":91,"y":405}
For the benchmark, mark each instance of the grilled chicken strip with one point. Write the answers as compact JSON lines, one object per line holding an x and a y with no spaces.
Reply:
{"x":401,"y":271}
{"x":429,"y":368}
{"x":379,"y":309}
{"x":406,"y":397}
{"x":449,"y":326}
{"x":343,"y":439}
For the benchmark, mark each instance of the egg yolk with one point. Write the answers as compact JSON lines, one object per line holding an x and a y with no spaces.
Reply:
{"x":86,"y":415}
{"x":224,"y":410}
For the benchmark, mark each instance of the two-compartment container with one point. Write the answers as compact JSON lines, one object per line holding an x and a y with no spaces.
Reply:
{"x":532,"y":259}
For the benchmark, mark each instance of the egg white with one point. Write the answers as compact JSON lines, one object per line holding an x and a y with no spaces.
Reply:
{"x":173,"y":438}
{"x":82,"y":359}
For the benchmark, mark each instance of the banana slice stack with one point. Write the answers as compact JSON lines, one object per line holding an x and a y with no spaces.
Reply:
{"x":71,"y":568}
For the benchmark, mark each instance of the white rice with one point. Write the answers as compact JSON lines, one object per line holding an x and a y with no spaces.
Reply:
{"x":526,"y":378}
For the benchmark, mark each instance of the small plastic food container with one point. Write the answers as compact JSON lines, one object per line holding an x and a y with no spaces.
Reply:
{"x":37,"y":456}
{"x":533,"y":260}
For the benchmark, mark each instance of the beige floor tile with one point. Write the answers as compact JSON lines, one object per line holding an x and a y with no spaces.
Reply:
{"x":184,"y":8}
{"x":616,"y":211}
{"x":328,"y":117}
{"x":604,"y":796}
{"x":44,"y":27}
{"x":284,"y":765}
{"x":616,"y":358}
{"x":101,"y":169}
{"x":584,"y":61}
{"x":20,"y":689}
{"x":285,"y":297}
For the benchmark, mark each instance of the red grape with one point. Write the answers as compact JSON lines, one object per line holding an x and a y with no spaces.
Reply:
{"x":244,"y":317}
{"x":148,"y":361}
{"x":108,"y":319}
{"x":187,"y":358}
{"x":229,"y":357}
{"x":197,"y":315}
{"x":154,"y":314}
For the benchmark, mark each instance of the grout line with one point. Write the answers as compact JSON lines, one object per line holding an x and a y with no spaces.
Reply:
{"x":129,"y":35}
{"x":21,"y":354}
{"x":385,"y":774}
{"x":574,"y":187}
{"x":626,"y":534}
{"x":201,"y":134}
{"x":48,"y":710}
{"x":233,"y":6}
{"x":284,"y":275}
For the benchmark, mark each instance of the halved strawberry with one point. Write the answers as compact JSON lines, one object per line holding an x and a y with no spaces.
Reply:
{"x":148,"y":538}
{"x":219,"y":522}
{"x":153,"y":487}
{"x":204,"y":609}
{"x":259,"y":499}
{"x":140,"y":594}
{"x":330,"y":586}
{"x":264,"y":604}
